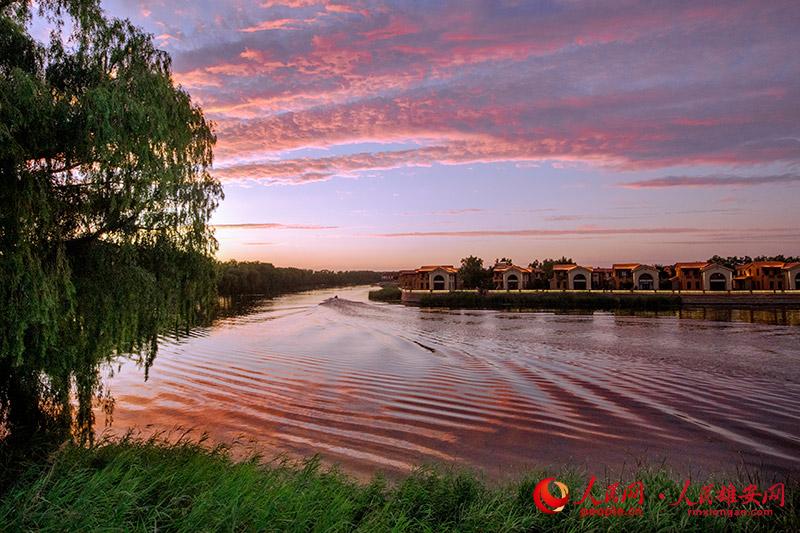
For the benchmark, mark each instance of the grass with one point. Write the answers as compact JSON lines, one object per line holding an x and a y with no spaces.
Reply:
{"x":390,"y":293}
{"x":146,"y":486}
{"x":551,"y":300}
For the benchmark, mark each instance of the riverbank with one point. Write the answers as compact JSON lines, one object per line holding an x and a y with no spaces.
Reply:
{"x":600,"y":300}
{"x":543,"y":300}
{"x":142,"y":486}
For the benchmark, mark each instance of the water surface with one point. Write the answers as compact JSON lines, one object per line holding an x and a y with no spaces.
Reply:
{"x":375,"y":386}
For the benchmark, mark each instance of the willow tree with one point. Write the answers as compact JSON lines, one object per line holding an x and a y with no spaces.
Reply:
{"x":105,"y":197}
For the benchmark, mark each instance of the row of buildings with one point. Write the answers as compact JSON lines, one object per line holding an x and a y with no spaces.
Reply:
{"x":698,"y":276}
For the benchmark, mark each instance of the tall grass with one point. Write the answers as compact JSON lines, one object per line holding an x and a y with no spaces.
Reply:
{"x":551,"y":300}
{"x":154,"y":486}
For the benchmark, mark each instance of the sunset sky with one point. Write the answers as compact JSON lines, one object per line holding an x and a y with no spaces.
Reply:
{"x":392,"y":134}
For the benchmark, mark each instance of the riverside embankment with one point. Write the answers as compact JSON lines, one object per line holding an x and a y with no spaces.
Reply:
{"x":551,"y":299}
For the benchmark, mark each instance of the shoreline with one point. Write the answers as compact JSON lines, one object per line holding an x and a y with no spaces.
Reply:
{"x":599,"y":300}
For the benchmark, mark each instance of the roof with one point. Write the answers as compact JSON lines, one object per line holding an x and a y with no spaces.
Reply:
{"x":431,"y":268}
{"x":566,"y":267}
{"x":624,"y":266}
{"x":602,"y":269}
{"x":632,"y":266}
{"x":762,"y":264}
{"x":695,"y":264}
{"x":502,"y":267}
{"x":709,"y":266}
{"x":790,"y":266}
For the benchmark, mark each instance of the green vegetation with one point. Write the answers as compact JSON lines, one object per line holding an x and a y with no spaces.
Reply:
{"x":547,"y":264}
{"x":550,"y":300}
{"x":105,"y":197}
{"x":146,"y":486}
{"x":472,"y":274}
{"x":390,"y":293}
{"x":735,"y":260}
{"x":253,"y":277}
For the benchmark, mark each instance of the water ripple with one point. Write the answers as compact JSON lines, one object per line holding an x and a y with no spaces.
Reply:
{"x":376,"y":386}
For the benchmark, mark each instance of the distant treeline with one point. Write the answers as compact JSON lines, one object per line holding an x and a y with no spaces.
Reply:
{"x":735,"y":260}
{"x":253,"y":277}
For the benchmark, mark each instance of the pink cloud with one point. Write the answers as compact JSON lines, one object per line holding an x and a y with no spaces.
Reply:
{"x":296,"y":4}
{"x":712,"y":181}
{"x":277,"y":24}
{"x":629,"y":85}
{"x":308,"y":169}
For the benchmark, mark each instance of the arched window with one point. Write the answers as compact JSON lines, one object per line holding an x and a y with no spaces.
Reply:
{"x":512,"y":282}
{"x":797,"y":281}
{"x":717,"y":282}
{"x":646,"y":282}
{"x":579,"y":282}
{"x":438,"y":282}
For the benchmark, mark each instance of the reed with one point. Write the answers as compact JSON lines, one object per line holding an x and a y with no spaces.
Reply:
{"x":151,"y":485}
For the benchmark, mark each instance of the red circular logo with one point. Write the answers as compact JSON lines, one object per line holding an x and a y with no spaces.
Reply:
{"x":545,"y":501}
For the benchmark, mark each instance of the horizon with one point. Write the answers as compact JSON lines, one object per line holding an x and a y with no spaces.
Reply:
{"x":383,"y":136}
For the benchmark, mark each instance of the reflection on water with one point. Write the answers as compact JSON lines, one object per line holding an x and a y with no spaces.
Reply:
{"x":381,"y":386}
{"x":754,"y":315}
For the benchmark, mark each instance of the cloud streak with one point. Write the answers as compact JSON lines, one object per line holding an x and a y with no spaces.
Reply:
{"x":742,"y":234}
{"x":543,"y":232}
{"x":272,"y":225}
{"x":712,"y":181}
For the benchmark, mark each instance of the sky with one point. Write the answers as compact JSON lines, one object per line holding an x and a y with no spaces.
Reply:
{"x":388,"y":135}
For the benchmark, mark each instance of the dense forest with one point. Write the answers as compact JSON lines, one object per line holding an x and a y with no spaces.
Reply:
{"x":253,"y":277}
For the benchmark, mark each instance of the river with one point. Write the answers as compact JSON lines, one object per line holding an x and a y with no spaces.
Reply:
{"x":374,"y":386}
